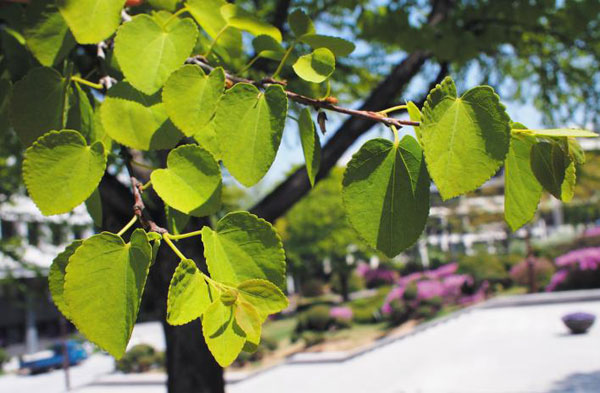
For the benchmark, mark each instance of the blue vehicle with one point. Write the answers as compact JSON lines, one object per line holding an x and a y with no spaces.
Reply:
{"x":53,"y":358}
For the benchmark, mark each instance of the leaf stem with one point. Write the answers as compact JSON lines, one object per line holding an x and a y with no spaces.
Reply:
{"x":185,"y":235}
{"x":146,"y":186}
{"x":212,"y":44}
{"x":250,"y":63}
{"x":127,"y":226}
{"x":167,"y":239}
{"x":396,"y":136}
{"x":393,"y":109}
{"x":287,"y":54}
{"x":175,"y":15}
{"x":82,"y":81}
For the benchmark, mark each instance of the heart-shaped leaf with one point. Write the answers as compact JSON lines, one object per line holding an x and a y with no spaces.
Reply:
{"x":250,"y":125}
{"x":192,"y":181}
{"x":189,"y":295}
{"x":224,"y":337}
{"x":465,"y":139}
{"x":316,"y":66}
{"x":149,"y":52}
{"x":56,"y":276}
{"x":191,"y":97}
{"x":310,"y":144}
{"x":47,"y":35}
{"x":104,"y":284}
{"x":37,"y":104}
{"x":91,"y":21}
{"x":386,"y":194}
{"x":61,"y":171}
{"x":549,"y":163}
{"x":300,"y":23}
{"x":522,"y":191}
{"x":137,"y":120}
{"x":338,"y":46}
{"x":244,"y":247}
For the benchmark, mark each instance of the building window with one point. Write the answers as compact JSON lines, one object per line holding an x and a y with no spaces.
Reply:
{"x":33,"y":233}
{"x":8,"y":229}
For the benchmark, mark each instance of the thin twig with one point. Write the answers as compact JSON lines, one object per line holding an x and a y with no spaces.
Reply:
{"x":316,"y":103}
{"x":139,"y":208}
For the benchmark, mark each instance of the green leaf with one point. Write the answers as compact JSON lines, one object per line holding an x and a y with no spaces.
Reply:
{"x":37,"y":104}
{"x":244,"y":247}
{"x":189,"y":295}
{"x":176,"y":220}
{"x":56,"y":277}
{"x":191,"y":97}
{"x":558,"y":132}
{"x":414,"y":113}
{"x":248,"y":320}
{"x":567,"y":188}
{"x":208,"y":15}
{"x":316,"y":66}
{"x":224,"y":337}
{"x":47,"y":35}
{"x":310,"y":144}
{"x":104,"y":284}
{"x":17,"y":59}
{"x":338,"y":46}
{"x":80,"y":116}
{"x":386,"y":194}
{"x":149,"y":52}
{"x":576,"y":151}
{"x":94,"y":207}
{"x":267,"y":47}
{"x":137,"y":120}
{"x":549,"y":163}
{"x":446,"y":88}
{"x":250,"y":125}
{"x":264,"y":296}
{"x":241,"y":19}
{"x":98,"y":134}
{"x":61,"y":171}
{"x":522,"y":191}
{"x":91,"y":21}
{"x":300,"y":23}
{"x":192,"y":181}
{"x":465,"y":139}
{"x":207,"y":138}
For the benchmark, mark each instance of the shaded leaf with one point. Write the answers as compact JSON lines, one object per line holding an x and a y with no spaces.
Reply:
{"x":241,"y":19}
{"x":316,"y":66}
{"x":300,"y":23}
{"x":386,"y":194}
{"x":56,"y":276}
{"x":189,"y":295}
{"x":338,"y":46}
{"x":311,"y":145}
{"x":224,"y":337}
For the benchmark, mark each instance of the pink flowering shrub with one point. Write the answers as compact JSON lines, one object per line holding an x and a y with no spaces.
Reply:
{"x":578,"y":269}
{"x":429,"y":290}
{"x":376,"y":277}
{"x":341,"y":313}
{"x":542,"y":272}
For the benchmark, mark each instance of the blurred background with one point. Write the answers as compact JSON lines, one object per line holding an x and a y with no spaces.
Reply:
{"x":472,"y":307}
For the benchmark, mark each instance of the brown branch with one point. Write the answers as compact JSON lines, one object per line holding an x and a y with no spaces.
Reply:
{"x":139,"y":208}
{"x":304,"y":100}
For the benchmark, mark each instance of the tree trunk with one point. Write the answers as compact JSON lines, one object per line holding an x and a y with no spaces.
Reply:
{"x":344,"y":276}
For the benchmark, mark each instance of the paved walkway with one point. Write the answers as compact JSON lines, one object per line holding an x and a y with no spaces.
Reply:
{"x":499,"y":350}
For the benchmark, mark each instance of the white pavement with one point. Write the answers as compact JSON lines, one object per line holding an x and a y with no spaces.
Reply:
{"x":500,"y":350}
{"x":54,"y":381}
